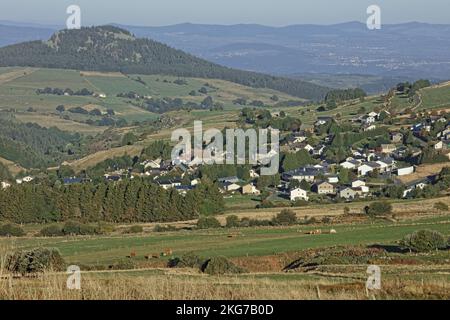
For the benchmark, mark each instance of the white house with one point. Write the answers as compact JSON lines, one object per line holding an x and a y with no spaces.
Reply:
{"x":369,"y":120}
{"x":308,"y":148}
{"x":250,"y":189}
{"x":333,"y":179}
{"x":438,"y":145}
{"x":350,"y":164}
{"x":25,"y":179}
{"x":299,"y":194}
{"x":232,"y":187}
{"x":195,"y":182}
{"x":405,"y":171}
{"x":367,"y":167}
{"x":5,"y":185}
{"x":154,"y":164}
{"x":369,"y":127}
{"x":358,"y":183}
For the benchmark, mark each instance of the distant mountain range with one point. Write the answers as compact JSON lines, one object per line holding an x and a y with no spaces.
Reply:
{"x":402,"y":51}
{"x":109,"y":48}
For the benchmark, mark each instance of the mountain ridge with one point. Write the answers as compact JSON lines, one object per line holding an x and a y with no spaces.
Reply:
{"x":109,"y":48}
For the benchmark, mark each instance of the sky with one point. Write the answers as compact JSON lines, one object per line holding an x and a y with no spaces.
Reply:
{"x":267,"y":12}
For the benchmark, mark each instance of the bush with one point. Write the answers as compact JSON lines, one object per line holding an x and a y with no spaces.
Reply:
{"x":51,"y":231}
{"x":11,"y":230}
{"x":259,"y":223}
{"x":286,"y":217}
{"x":76,"y":228}
{"x":105,"y":228}
{"x":35,"y":260}
{"x":308,"y":220}
{"x":424,"y":241}
{"x":221,"y":265}
{"x":208,"y":223}
{"x":123,"y":264}
{"x":232,"y":221}
{"x":188,"y":260}
{"x":441,"y":206}
{"x":378,"y":208}
{"x":135,"y":229}
{"x":87,"y":230}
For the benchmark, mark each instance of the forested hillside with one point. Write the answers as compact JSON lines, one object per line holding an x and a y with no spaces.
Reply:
{"x":33,"y":146}
{"x":109,"y":48}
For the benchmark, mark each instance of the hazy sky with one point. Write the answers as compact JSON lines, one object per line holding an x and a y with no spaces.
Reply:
{"x":268,"y":12}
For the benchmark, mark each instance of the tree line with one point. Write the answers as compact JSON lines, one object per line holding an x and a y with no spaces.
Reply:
{"x":136,"y":200}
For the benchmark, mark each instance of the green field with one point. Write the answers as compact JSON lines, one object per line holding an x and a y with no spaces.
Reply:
{"x":436,"y":97}
{"x":18,"y":91}
{"x":248,"y":242}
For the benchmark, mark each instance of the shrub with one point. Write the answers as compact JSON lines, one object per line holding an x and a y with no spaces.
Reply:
{"x":208,"y":223}
{"x":76,"y":228}
{"x":71,"y":227}
{"x":232,"y":221}
{"x":378,"y":208}
{"x":308,"y":220}
{"x":135,"y":229}
{"x":11,"y":230}
{"x":85,"y":229}
{"x":424,"y":241}
{"x":123,"y":264}
{"x":35,"y":260}
{"x":188,"y":260}
{"x":51,"y":231}
{"x":220,"y":265}
{"x":105,"y":228}
{"x":441,"y":206}
{"x":259,"y":223}
{"x":326,"y":220}
{"x":286,"y":217}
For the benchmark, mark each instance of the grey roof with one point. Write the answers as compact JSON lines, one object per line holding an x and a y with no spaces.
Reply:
{"x":306,"y":171}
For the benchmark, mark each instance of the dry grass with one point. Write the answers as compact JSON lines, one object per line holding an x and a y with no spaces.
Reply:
{"x":48,"y":121}
{"x":424,"y":171}
{"x":93,"y":159}
{"x":102,"y":74}
{"x":16,"y":74}
{"x":13,"y":168}
{"x":122,"y":286}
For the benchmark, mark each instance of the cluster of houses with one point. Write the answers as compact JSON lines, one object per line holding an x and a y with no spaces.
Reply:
{"x":26,"y":179}
{"x":383,"y":162}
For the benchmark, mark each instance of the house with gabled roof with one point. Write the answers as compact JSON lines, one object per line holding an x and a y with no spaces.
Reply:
{"x":298,"y":194}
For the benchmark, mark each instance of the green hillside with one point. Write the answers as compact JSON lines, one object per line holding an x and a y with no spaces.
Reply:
{"x":109,"y":48}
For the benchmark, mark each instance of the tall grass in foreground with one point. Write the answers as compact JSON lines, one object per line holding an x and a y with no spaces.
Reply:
{"x":119,"y":286}
{"x":187,"y":284}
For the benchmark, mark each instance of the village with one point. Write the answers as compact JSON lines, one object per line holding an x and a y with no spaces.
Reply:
{"x":364,"y":172}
